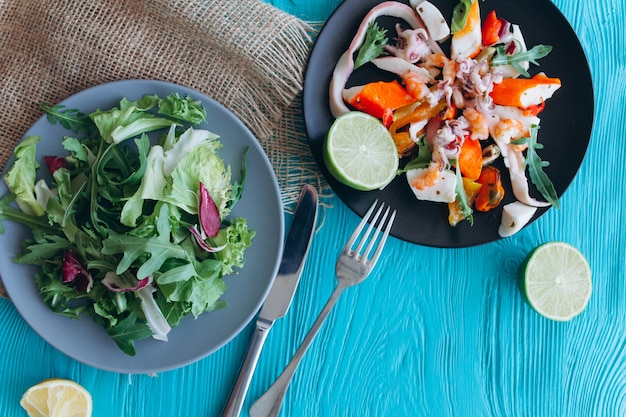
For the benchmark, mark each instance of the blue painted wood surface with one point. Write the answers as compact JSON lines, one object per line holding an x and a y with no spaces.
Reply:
{"x":432,"y":332}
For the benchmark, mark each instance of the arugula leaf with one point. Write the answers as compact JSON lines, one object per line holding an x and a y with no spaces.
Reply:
{"x":180,"y":273}
{"x":532,"y":55}
{"x":202,"y":295}
{"x":61,"y":210}
{"x":43,"y":248}
{"x":197,"y":284}
{"x":127,"y":331}
{"x":238,"y":185}
{"x":373,"y":45}
{"x":536,"y":165}
{"x":174,"y":312}
{"x":461,"y":196}
{"x":71,"y":119}
{"x":422,"y":160}
{"x":151,"y":253}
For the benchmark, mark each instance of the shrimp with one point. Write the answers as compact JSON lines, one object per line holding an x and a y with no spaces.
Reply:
{"x":508,"y":129}
{"x":415,"y":85}
{"x":478,"y":124}
{"x":435,"y":60}
{"x":449,"y":68}
{"x":433,"y":183}
{"x":427,"y":177}
{"x":414,"y":78}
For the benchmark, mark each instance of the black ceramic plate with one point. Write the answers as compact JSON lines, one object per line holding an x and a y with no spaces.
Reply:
{"x":565,"y":123}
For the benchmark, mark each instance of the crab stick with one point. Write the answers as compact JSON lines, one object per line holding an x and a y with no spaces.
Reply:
{"x":467,"y":42}
{"x":378,"y":98}
{"x":524,"y":92}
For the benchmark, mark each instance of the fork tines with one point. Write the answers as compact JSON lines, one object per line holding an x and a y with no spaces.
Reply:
{"x":376,"y":224}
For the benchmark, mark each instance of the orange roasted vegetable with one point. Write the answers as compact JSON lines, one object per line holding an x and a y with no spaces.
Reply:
{"x":470,"y":158}
{"x":379,"y":97}
{"x":406,"y":115}
{"x":416,"y":112}
{"x":403,"y":142}
{"x":491,"y":193}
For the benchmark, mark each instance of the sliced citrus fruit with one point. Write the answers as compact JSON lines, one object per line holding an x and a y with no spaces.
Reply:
{"x":360,"y":152}
{"x":555,"y":280}
{"x":57,"y":398}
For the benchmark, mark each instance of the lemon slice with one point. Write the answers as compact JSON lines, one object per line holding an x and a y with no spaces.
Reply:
{"x":555,"y":280}
{"x":360,"y":152}
{"x":57,"y":398}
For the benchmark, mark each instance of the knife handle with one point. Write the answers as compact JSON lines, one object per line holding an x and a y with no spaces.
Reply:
{"x":238,"y":395}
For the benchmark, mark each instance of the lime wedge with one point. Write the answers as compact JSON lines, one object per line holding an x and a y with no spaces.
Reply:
{"x":555,"y":280}
{"x":360,"y":152}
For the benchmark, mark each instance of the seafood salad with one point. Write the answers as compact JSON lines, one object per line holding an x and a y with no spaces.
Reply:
{"x":451,"y":114}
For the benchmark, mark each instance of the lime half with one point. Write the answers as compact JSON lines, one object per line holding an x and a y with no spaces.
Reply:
{"x":555,"y":279}
{"x":360,"y":152}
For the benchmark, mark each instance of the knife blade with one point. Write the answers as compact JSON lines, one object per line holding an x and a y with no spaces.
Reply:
{"x":278,"y":300}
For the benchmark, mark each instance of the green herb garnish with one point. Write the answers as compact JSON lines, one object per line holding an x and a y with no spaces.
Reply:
{"x":422,"y":160}
{"x":532,"y":55}
{"x":373,"y":46}
{"x":461,"y":196}
{"x":536,"y":165}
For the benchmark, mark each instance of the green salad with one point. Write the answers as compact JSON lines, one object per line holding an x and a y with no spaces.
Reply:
{"x":133,"y":234}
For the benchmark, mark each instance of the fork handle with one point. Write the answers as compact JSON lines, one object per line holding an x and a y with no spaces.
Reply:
{"x":269,"y":404}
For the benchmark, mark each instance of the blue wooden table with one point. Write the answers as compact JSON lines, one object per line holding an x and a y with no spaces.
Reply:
{"x":433,"y":332}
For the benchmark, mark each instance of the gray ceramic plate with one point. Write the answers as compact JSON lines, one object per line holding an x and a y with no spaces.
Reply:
{"x":193,"y":339}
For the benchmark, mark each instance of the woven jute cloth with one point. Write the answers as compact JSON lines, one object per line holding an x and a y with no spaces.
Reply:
{"x":245,"y":54}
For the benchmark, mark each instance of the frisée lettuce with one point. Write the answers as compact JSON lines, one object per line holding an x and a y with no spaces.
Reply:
{"x":117,"y":232}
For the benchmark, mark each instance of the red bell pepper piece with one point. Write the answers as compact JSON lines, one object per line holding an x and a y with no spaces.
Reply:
{"x":491,"y":29}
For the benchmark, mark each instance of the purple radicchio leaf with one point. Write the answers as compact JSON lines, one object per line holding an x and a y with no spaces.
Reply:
{"x":200,"y":239}
{"x":54,"y":162}
{"x":75,"y":273}
{"x":113,"y":282}
{"x":208,"y":214}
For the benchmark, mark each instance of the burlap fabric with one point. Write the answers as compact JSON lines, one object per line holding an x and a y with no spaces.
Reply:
{"x":246,"y":54}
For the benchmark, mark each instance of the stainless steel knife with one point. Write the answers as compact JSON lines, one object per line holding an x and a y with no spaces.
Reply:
{"x":281,"y":293}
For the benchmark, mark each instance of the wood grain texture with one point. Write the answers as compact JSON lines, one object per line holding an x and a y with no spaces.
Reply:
{"x":432,"y":332}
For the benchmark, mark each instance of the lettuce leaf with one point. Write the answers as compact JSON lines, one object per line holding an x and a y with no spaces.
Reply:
{"x":22,"y":175}
{"x":174,"y":175}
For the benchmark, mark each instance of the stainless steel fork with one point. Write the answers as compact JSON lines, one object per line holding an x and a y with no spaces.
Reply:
{"x":353,"y":266}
